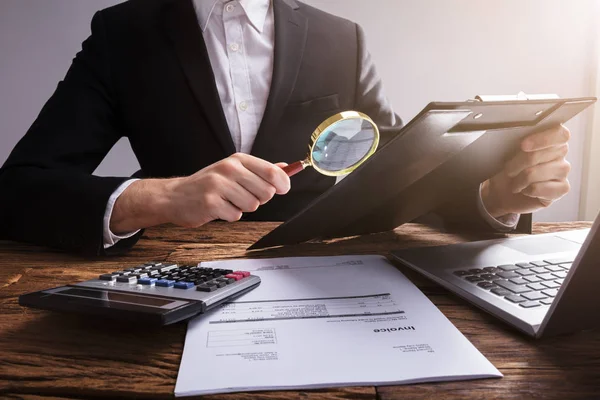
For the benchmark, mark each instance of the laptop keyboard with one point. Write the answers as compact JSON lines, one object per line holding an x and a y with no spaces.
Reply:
{"x":531,"y":284}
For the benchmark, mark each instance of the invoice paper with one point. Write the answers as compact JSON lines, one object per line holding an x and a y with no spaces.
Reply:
{"x":320,"y":322}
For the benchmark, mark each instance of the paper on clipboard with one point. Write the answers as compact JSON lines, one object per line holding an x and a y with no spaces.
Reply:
{"x":320,"y":322}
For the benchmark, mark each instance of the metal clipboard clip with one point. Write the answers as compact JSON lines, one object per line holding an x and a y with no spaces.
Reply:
{"x":518,"y":96}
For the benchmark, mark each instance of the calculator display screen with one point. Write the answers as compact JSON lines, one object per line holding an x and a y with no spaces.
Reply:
{"x":117,"y":297}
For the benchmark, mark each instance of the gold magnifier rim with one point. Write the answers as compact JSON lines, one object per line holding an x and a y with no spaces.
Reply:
{"x":342,"y":116}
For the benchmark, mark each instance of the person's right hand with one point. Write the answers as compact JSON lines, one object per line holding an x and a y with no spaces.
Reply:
{"x":224,"y":190}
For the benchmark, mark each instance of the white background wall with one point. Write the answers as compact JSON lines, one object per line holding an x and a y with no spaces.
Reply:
{"x":425,"y":50}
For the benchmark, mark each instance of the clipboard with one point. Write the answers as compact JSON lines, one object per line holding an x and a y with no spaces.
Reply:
{"x":446,"y":149}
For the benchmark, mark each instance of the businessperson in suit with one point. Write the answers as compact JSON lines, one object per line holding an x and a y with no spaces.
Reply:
{"x":211,"y":95}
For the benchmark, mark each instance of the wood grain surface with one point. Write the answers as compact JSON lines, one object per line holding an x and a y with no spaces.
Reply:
{"x":46,"y":356}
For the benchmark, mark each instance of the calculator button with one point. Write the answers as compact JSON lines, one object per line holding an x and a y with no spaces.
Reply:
{"x":165,"y":283}
{"x":127,"y":279}
{"x":234,"y":276}
{"x":167,"y":267}
{"x":108,"y":277}
{"x":245,"y":274}
{"x":183,"y":285}
{"x":206,"y":287}
{"x":220,"y":283}
{"x":147,"y":281}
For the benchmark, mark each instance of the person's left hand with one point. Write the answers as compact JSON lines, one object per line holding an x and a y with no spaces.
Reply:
{"x":534,"y":178}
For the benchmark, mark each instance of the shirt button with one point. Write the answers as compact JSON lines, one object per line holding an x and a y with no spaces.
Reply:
{"x":229,"y":7}
{"x":234,"y":47}
{"x":243,"y":106}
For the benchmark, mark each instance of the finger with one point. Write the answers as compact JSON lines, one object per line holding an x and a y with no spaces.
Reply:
{"x":281,"y":164}
{"x":524,"y":160}
{"x":267,"y":171}
{"x":228,"y":212}
{"x":238,"y":196}
{"x":547,"y":191}
{"x":553,"y":170}
{"x":544,"y":139}
{"x":256,"y":185}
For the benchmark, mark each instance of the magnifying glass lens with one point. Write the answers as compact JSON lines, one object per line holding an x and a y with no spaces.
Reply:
{"x":343,"y":145}
{"x":339,"y":145}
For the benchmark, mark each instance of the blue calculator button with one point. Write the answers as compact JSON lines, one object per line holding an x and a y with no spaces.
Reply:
{"x":147,"y":281}
{"x":184,"y":285}
{"x":165,"y":282}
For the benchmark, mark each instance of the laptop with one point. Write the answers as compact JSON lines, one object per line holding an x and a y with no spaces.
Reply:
{"x":543,"y":285}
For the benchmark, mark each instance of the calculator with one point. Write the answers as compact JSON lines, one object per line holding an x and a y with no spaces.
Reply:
{"x":153,"y":293}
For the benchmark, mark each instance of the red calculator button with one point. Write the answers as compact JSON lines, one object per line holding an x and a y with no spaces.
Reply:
{"x":243,"y":273}
{"x":237,"y":277}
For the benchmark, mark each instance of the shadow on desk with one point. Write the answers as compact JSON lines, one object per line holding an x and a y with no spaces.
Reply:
{"x":376,"y":243}
{"x":64,"y":355}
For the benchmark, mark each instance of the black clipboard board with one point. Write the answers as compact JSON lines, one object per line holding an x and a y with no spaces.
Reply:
{"x":446,"y":149}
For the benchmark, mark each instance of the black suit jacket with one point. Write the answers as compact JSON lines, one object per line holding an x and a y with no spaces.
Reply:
{"x":144,"y":73}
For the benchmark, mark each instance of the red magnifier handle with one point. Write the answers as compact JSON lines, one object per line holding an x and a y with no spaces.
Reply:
{"x":294,"y":168}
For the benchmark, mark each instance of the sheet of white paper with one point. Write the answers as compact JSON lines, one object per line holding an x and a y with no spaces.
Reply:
{"x":322,"y":322}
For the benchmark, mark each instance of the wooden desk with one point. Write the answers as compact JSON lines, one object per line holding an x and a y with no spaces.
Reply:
{"x":45,"y":355}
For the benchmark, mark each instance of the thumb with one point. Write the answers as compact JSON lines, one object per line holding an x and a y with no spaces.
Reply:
{"x":281,"y":164}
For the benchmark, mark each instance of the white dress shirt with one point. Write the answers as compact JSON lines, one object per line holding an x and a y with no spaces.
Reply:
{"x":240,"y":37}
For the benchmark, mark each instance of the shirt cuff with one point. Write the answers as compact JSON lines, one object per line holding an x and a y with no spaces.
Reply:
{"x":505,"y":223}
{"x":110,"y":239}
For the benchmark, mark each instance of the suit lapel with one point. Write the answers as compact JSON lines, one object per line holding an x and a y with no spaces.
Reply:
{"x":186,"y":37}
{"x":291,"y":29}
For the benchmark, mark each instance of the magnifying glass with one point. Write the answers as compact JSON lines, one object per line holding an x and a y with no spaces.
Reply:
{"x":339,"y":145}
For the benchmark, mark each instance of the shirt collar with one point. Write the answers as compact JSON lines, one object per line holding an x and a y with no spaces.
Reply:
{"x":255,"y":10}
